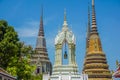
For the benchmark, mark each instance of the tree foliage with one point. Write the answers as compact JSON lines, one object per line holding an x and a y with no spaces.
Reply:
{"x":37,"y":77}
{"x":15,"y":55}
{"x":21,"y":67}
{"x":8,"y":44}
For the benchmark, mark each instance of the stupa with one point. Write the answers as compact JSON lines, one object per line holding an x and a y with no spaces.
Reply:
{"x":95,"y":63}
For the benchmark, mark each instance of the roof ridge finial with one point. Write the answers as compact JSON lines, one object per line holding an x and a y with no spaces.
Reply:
{"x":41,"y":29}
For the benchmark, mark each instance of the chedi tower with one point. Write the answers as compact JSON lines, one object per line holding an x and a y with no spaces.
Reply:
{"x":40,"y":58}
{"x":95,"y":64}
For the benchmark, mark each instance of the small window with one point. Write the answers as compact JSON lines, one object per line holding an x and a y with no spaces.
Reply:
{"x":38,"y":70}
{"x":43,"y":69}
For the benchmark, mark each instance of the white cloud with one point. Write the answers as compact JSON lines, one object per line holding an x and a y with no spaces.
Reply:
{"x":49,"y":19}
{"x":28,"y":29}
{"x":50,"y":41}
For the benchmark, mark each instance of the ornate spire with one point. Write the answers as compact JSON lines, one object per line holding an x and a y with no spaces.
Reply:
{"x":41,"y":29}
{"x":94,"y":25}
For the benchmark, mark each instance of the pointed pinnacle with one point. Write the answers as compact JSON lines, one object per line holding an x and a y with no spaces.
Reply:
{"x":92,"y":2}
{"x":94,"y":25}
{"x":65,"y":25}
{"x":88,"y":28}
{"x":88,"y":16}
{"x":65,"y":15}
{"x":41,"y":29}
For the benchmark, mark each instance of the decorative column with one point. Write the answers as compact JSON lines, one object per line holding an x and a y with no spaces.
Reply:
{"x":58,"y":57}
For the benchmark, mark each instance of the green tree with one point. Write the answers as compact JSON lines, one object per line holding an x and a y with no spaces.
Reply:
{"x":14,"y":55}
{"x":8,"y":44}
{"x":21,"y":67}
{"x":37,"y":77}
{"x":25,"y":70}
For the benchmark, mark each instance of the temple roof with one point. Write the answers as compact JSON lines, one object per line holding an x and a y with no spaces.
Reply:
{"x":5,"y":73}
{"x":67,"y":36}
{"x":2,"y":70}
{"x":116,"y":74}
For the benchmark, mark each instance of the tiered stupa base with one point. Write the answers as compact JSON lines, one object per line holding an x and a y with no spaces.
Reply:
{"x":99,"y":79}
{"x":67,"y":72}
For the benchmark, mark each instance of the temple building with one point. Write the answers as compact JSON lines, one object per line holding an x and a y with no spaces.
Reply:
{"x":65,"y":66}
{"x":4,"y":75}
{"x":116,"y":74}
{"x":40,"y":58}
{"x":95,"y":63}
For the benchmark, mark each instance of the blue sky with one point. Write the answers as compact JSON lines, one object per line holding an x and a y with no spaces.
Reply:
{"x":24,"y":15}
